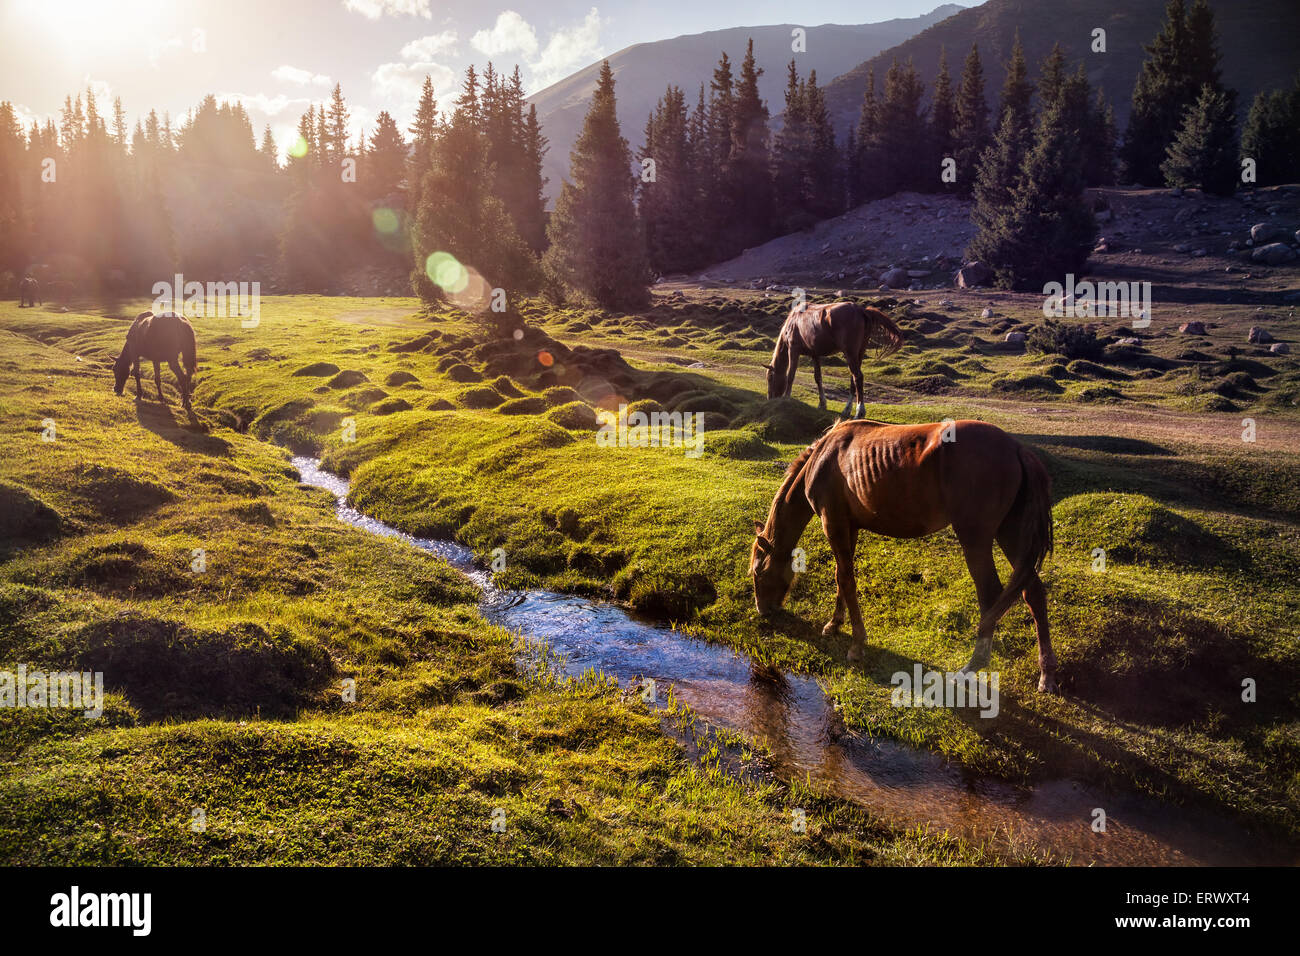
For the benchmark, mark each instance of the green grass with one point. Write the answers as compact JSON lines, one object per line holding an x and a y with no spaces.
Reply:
{"x":1199,"y":591}
{"x":227,"y":684}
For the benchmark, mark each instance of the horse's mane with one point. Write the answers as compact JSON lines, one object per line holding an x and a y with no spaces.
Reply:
{"x":795,"y":471}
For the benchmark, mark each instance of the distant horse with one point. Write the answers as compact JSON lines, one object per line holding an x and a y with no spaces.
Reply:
{"x":908,"y":481}
{"x":820,"y":330}
{"x":159,"y":338}
{"x":29,"y":292}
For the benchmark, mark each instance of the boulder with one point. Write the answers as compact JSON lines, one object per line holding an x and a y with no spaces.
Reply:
{"x":1015,"y":338}
{"x":894,"y":277}
{"x":974,"y":273}
{"x":1266,"y":232}
{"x":987,"y":313}
{"x":1273,"y":254}
{"x":1258,"y":336}
{"x":1279,"y":348}
{"x":1192,"y":328}
{"x":1129,"y":340}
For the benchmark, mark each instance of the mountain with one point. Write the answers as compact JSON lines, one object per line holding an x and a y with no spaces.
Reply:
{"x":642,"y":71}
{"x":1256,"y":37}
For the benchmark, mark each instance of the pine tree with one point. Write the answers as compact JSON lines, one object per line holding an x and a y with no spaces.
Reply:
{"x":1182,"y":58}
{"x":1017,"y":91}
{"x":424,"y":132}
{"x":899,"y":140}
{"x":867,"y":160}
{"x":1204,"y":154}
{"x":667,"y":208}
{"x":1099,"y":145}
{"x":789,"y":157}
{"x":971,"y":127}
{"x":1045,"y":229}
{"x":1271,"y":137}
{"x":942,"y":113}
{"x":596,"y":241}
{"x":385,"y":160}
{"x":749,"y":178}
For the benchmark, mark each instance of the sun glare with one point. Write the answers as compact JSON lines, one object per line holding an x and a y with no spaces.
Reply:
{"x":81,"y":25}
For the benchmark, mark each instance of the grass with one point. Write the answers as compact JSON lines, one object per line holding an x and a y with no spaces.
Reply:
{"x":227,"y":737}
{"x":1199,"y":528}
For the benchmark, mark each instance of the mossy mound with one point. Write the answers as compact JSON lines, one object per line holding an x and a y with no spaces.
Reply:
{"x":117,"y":494}
{"x":389,"y":406}
{"x":560,"y":395}
{"x":347,"y":379}
{"x":394,"y":379}
{"x":741,"y":444}
{"x":25,"y":517}
{"x":460,"y":372}
{"x":532,"y":405}
{"x":576,"y":416}
{"x":318,"y":369}
{"x":787,"y":420}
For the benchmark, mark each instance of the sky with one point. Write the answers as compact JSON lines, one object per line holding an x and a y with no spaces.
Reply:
{"x":278,"y":57}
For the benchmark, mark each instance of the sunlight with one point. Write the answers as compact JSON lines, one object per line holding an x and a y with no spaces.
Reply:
{"x":82,"y":24}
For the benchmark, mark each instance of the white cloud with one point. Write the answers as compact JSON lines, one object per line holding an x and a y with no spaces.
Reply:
{"x":299,"y":77}
{"x":567,"y":50}
{"x":426,"y":48}
{"x":267,"y":105}
{"x":103,"y":95}
{"x":374,"y":9}
{"x":399,"y":84}
{"x":511,"y":34}
{"x":160,"y":49}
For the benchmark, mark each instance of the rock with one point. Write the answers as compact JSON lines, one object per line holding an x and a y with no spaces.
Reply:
{"x":987,"y":313}
{"x":1015,"y":338}
{"x":1103,"y":245}
{"x":1183,"y":247}
{"x":1258,"y":336}
{"x":1199,"y":253}
{"x":1280,"y":348}
{"x":894,"y":277}
{"x":973,"y":273}
{"x":917,"y":273}
{"x":1297,"y":235}
{"x":1192,"y":328}
{"x":1273,"y":254}
{"x":1266,"y":232}
{"x":1129,"y":341}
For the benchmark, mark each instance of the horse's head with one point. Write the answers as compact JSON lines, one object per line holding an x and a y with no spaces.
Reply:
{"x":121,"y":368}
{"x":773,"y":574}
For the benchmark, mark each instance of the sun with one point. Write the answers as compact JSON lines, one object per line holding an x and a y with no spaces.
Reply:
{"x":80,"y":26}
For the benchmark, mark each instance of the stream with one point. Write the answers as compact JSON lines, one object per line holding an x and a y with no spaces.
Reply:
{"x":791,"y":716}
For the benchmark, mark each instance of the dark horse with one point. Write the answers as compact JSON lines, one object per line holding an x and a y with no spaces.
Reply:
{"x":159,"y":338}
{"x":907,"y":481}
{"x":820,"y":330}
{"x":29,"y":292}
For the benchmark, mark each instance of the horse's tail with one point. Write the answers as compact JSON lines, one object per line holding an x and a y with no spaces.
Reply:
{"x":881,"y":331}
{"x":1032,"y":511}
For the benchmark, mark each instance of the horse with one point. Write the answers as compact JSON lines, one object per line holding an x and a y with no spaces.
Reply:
{"x":820,"y":330}
{"x":159,"y":338}
{"x":29,"y":292}
{"x":909,"y":481}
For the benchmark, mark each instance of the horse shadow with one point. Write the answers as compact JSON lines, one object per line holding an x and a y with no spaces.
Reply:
{"x":191,"y":435}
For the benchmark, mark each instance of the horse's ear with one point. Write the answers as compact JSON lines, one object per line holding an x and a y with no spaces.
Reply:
{"x":760,"y":537}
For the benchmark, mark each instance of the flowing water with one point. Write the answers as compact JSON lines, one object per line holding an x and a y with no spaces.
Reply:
{"x":790,"y":714}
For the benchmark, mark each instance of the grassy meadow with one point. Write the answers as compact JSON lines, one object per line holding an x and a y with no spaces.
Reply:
{"x":226,"y":682}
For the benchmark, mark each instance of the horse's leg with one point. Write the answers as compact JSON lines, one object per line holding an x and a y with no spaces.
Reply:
{"x":1035,"y":596}
{"x":157,"y":378}
{"x":182,"y":381}
{"x":979,"y":560}
{"x":139,"y":389}
{"x":842,"y":539}
{"x":855,"y":370}
{"x":833,"y":625}
{"x":790,"y":371}
{"x":817,"y":376}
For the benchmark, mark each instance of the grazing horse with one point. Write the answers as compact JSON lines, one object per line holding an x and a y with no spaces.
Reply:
{"x":907,"y":481}
{"x":820,"y":330}
{"x":29,"y":292}
{"x":159,"y":338}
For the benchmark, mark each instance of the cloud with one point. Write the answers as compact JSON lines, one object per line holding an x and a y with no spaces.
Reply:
{"x":374,"y":9}
{"x":160,"y":49}
{"x":567,"y":50}
{"x":426,"y":48}
{"x":511,"y":34}
{"x":103,"y":95}
{"x":400,"y":83}
{"x":267,"y":105}
{"x":292,"y":74}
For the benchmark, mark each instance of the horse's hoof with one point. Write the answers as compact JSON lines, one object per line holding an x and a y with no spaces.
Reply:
{"x":1047,"y":685}
{"x":855,"y":653}
{"x":832,"y":627}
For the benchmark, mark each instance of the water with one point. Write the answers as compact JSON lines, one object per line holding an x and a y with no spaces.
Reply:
{"x":790,"y":714}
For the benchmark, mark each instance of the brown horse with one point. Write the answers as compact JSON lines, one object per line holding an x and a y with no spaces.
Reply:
{"x":907,"y":481}
{"x":159,"y":338}
{"x":821,"y":330}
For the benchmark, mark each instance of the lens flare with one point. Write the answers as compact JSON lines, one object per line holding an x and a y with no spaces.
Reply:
{"x":299,"y":149}
{"x":444,"y":269}
{"x":385,"y":221}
